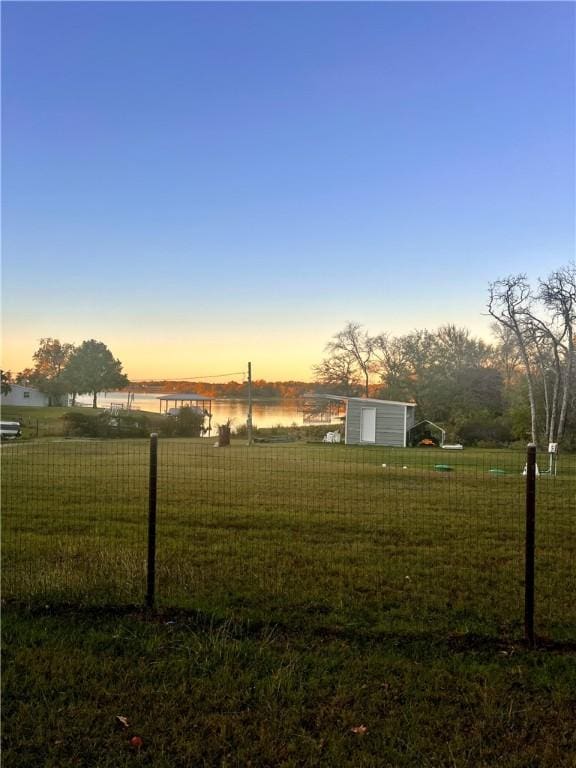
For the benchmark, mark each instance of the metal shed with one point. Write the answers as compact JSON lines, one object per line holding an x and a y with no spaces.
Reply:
{"x":376,"y":422}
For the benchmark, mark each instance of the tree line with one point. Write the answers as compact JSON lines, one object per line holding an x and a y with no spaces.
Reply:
{"x":520,"y":386}
{"x":61,"y":369}
{"x":288,"y":390}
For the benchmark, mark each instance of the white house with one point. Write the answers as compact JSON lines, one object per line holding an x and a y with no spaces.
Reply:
{"x":22,"y":395}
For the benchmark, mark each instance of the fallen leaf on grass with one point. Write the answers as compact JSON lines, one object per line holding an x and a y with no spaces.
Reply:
{"x":360,"y":730}
{"x":123,"y":721}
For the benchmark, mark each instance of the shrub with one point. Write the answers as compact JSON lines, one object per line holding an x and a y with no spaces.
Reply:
{"x":106,"y":424}
{"x":81,"y":424}
{"x":189,"y":423}
{"x":490,"y":433}
{"x":165,"y":426}
{"x":126,"y":425}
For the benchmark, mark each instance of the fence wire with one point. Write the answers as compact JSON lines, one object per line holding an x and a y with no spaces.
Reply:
{"x":407,"y":539}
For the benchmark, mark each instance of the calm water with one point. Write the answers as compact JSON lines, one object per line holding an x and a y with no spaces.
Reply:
{"x":265,"y":413}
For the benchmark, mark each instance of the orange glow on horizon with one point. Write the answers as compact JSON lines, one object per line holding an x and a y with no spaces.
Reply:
{"x":164,"y":361}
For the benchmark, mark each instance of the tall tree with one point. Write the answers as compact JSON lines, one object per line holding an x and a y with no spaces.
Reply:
{"x":447,"y":371}
{"x":509,"y":302}
{"x":543,"y":324}
{"x":352,"y":349}
{"x":92,"y":368}
{"x":26,"y":377}
{"x":339,"y":373}
{"x":394,"y":367}
{"x":558,"y":294}
{"x":506,"y":356}
{"x":50,"y":360}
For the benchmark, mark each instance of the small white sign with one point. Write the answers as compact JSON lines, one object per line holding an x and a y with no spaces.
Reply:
{"x":552,"y":447}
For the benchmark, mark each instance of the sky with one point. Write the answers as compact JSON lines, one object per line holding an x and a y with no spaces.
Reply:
{"x":199,"y":185}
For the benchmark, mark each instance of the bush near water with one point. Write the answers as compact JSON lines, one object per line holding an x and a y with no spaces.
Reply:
{"x":135,"y":424}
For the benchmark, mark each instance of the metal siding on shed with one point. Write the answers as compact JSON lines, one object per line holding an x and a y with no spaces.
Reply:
{"x":410,"y":417}
{"x":410,"y":421}
{"x":353,"y":411}
{"x":389,"y":423}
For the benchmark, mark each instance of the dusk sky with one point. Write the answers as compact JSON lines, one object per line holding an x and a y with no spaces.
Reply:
{"x":202,"y":184}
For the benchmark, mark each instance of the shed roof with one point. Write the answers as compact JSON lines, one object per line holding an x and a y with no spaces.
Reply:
{"x":346,"y":398}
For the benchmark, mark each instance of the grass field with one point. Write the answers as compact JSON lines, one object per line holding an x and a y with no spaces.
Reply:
{"x":312,"y":530}
{"x":39,"y":421}
{"x":200,"y":691}
{"x":303,"y":591}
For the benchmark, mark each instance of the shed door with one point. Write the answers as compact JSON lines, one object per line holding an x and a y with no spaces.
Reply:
{"x":368,"y":425}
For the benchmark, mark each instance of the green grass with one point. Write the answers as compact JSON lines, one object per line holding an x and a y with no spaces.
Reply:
{"x":40,"y":421}
{"x":44,"y":421}
{"x":309,"y":531}
{"x":303,"y":591}
{"x":200,"y":691}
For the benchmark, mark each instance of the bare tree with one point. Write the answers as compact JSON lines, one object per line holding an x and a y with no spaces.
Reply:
{"x":506,"y":354}
{"x":355,"y":347}
{"x":338,"y":372}
{"x":542,"y":325}
{"x":394,"y":364}
{"x":558,"y":294}
{"x":509,"y":302}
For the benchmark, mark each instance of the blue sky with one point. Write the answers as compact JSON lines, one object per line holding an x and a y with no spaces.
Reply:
{"x":202,"y":184}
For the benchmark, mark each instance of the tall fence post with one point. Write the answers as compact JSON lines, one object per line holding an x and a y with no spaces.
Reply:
{"x":152,"y":489}
{"x":529,"y":564}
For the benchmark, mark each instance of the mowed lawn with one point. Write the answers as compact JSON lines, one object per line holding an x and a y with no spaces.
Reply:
{"x":315,"y":608}
{"x":198,"y":690}
{"x":308,"y":530}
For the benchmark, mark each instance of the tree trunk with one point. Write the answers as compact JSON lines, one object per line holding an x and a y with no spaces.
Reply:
{"x":567,"y":383}
{"x":94,"y":400}
{"x":548,"y":418}
{"x":530,"y":383}
{"x":552,"y":434}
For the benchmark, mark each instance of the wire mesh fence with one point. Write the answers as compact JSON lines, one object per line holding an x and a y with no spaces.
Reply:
{"x":407,"y":539}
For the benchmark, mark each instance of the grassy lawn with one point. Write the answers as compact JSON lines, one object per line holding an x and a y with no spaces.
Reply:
{"x":303,"y":591}
{"x":40,"y":421}
{"x":319,"y":532}
{"x":201,"y":691}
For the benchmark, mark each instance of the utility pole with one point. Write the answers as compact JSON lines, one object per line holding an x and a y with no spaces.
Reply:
{"x":249,"y":419}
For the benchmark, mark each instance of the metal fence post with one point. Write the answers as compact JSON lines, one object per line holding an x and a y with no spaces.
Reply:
{"x":152,"y":488}
{"x":529,"y":568}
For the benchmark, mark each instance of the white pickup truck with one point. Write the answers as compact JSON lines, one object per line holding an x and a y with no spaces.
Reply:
{"x":10,"y":430}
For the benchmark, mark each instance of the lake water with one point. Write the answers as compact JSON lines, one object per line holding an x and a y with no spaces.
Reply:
{"x":265,"y":413}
